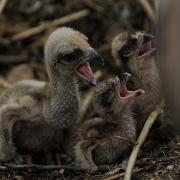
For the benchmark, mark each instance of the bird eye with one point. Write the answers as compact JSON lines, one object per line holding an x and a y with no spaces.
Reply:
{"x":69,"y":57}
{"x":107,"y":92}
{"x":72,"y":56}
{"x":105,"y":96}
{"x":126,"y":49}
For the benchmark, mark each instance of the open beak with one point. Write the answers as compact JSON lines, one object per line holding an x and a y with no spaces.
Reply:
{"x":124,"y":94}
{"x":85,"y":72}
{"x":84,"y":69}
{"x":145,"y":45}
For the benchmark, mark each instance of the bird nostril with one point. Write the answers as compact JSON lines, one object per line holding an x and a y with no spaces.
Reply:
{"x":140,"y":39}
{"x":145,"y":38}
{"x":95,"y":57}
{"x":99,"y":58}
{"x":148,"y":37}
{"x":125,"y":76}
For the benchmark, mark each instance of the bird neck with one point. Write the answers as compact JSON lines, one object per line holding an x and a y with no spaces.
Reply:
{"x":144,"y":73}
{"x":117,"y":116}
{"x":62,"y":109}
{"x":146,"y":67}
{"x":63,"y":85}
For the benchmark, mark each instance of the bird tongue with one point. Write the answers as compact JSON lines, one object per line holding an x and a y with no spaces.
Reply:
{"x":85,"y":70}
{"x":126,"y":94}
{"x":145,"y":50}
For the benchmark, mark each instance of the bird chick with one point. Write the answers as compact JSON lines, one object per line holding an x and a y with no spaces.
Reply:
{"x":37,"y":116}
{"x":107,"y":137}
{"x":134,"y":54}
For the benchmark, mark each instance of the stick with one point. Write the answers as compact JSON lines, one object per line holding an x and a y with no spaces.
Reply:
{"x":2,"y":5}
{"x":50,"y":24}
{"x":142,"y":137}
{"x":38,"y":167}
{"x":148,"y":9}
{"x":13,"y":59}
{"x":117,"y":176}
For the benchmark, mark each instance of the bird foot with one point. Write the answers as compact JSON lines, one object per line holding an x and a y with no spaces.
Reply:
{"x":91,"y":169}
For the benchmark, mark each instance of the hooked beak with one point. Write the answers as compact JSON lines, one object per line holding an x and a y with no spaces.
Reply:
{"x":124,"y":94}
{"x":125,"y":77}
{"x":145,"y":38}
{"x":145,"y":45}
{"x":84,"y":69}
{"x":94,"y":57}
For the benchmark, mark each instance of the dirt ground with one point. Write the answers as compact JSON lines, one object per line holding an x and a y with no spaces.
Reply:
{"x":24,"y":28}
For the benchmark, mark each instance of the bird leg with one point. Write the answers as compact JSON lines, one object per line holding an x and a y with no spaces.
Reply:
{"x":84,"y":155}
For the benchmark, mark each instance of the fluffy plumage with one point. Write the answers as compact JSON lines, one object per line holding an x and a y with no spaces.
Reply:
{"x":107,"y":136}
{"x":38,"y":116}
{"x":133,"y":53}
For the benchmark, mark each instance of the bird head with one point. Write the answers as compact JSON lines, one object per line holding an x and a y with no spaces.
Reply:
{"x":68,"y":53}
{"x":112,"y":94}
{"x":132,"y":48}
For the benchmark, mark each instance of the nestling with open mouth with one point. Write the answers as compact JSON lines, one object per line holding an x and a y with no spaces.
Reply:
{"x":38,"y":116}
{"x":107,"y":137}
{"x":133,"y":52}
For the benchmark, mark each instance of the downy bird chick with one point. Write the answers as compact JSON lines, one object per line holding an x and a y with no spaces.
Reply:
{"x":107,"y":137}
{"x":37,"y":116}
{"x":133,"y":53}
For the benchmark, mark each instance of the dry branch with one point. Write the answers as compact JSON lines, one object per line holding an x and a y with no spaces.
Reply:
{"x":2,"y":5}
{"x":38,"y":167}
{"x":117,"y":176}
{"x":13,"y":59}
{"x":50,"y":24}
{"x":148,"y":9}
{"x":142,"y":137}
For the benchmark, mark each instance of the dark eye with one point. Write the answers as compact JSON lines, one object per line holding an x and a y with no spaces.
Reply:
{"x":69,"y":57}
{"x":72,"y":56}
{"x":126,"y":49}
{"x":107,"y":93}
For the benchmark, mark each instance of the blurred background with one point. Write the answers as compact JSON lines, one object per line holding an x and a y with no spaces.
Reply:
{"x":25,"y":26}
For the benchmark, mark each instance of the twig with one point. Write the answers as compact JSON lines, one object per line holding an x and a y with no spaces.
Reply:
{"x":50,"y":24}
{"x":117,"y":176}
{"x":38,"y":167}
{"x":2,"y":5}
{"x":93,"y":6}
{"x":3,"y":168}
{"x":142,"y":137}
{"x":148,"y":9}
{"x":13,"y":59}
